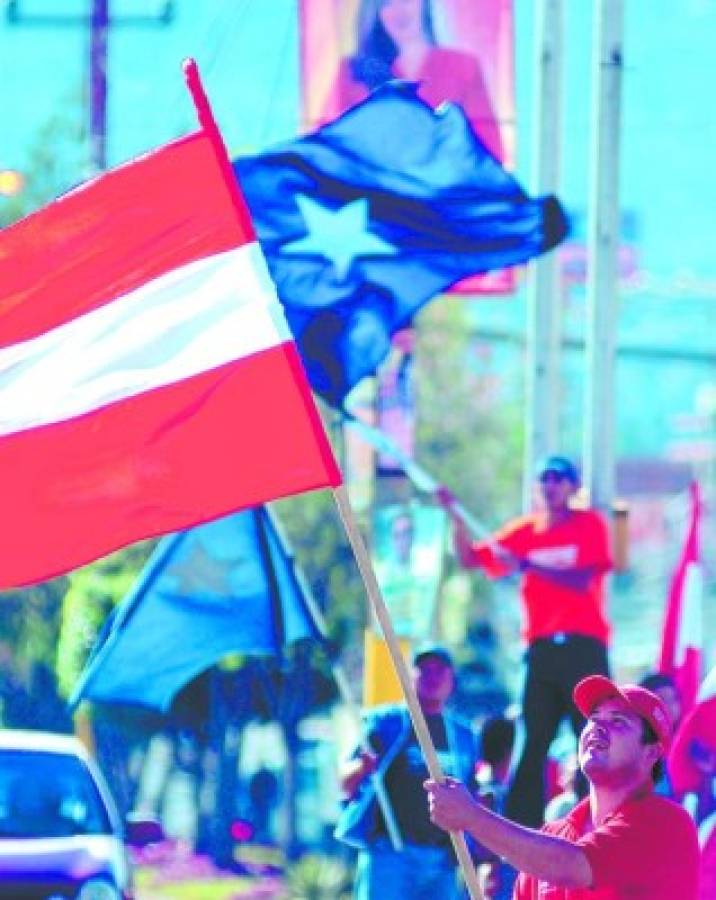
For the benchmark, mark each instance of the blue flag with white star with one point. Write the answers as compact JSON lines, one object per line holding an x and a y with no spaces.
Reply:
{"x":228,"y":586}
{"x":371,"y":216}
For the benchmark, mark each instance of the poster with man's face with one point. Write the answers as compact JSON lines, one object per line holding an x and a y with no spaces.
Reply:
{"x":457,"y":51}
{"x":408,"y":550}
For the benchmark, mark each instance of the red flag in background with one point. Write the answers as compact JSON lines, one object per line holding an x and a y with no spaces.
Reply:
{"x":682,"y":639}
{"x":149,"y":381}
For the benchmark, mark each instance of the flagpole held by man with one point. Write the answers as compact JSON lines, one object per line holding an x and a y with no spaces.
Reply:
{"x":420,"y":726}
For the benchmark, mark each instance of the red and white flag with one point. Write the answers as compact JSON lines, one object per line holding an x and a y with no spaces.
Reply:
{"x":149,"y":381}
{"x":682,"y":638}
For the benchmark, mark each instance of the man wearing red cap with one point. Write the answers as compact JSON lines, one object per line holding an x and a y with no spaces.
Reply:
{"x":623,"y":841}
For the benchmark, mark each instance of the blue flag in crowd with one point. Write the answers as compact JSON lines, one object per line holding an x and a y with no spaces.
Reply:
{"x":365,"y":220}
{"x":225,"y":587}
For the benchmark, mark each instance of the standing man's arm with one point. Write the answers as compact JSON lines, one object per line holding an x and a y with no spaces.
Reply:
{"x":543,"y":856}
{"x":496,"y":560}
{"x":593,"y":556}
{"x":577,"y":579}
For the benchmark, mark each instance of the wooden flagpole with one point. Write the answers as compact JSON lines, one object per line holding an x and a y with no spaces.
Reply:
{"x":422,"y":733}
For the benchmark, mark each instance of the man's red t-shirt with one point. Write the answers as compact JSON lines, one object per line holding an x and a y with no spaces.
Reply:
{"x":579,"y":541}
{"x":646,"y":850}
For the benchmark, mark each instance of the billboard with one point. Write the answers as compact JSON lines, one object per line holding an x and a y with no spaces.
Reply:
{"x":408,"y":549}
{"x":457,"y":50}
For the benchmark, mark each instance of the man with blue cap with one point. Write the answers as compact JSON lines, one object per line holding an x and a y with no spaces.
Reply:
{"x":561,"y":554}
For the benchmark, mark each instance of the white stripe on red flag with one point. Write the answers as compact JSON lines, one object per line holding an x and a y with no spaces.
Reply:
{"x":150,"y":379}
{"x":193,"y":319}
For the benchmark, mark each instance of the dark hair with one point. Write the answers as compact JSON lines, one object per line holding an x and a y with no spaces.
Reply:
{"x":653,"y":681}
{"x":375,"y":49}
{"x":649,"y":736}
{"x":497,"y":736}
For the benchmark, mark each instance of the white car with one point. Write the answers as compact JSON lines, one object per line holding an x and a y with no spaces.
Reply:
{"x":61,"y":837}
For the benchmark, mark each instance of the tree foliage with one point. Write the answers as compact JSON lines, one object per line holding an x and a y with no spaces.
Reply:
{"x":469,"y":432}
{"x":326,"y":561}
{"x":56,"y":160}
{"x":92,"y":593}
{"x":29,"y":623}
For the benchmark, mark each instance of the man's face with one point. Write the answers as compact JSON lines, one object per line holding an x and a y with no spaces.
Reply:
{"x":611,"y":748}
{"x":556,"y":490}
{"x":434,"y":681}
{"x":403,"y":538}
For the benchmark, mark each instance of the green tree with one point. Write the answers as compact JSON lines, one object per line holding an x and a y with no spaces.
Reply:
{"x":28,"y":623}
{"x":57,"y":159}
{"x":92,"y":593}
{"x":322,"y":552}
{"x":469,"y":435}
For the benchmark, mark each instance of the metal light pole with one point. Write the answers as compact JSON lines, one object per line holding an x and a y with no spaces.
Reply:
{"x":544,"y":324}
{"x":603,"y":238}
{"x":99,"y":27}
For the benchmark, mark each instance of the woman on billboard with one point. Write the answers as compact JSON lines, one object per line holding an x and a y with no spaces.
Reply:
{"x":396,"y":39}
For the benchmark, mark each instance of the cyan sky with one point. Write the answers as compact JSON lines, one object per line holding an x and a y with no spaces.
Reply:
{"x":247,"y":50}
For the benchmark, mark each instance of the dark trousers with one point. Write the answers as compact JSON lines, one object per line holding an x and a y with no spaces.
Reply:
{"x":554,"y":666}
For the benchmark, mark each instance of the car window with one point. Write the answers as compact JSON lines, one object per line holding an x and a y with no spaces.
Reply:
{"x":48,"y":795}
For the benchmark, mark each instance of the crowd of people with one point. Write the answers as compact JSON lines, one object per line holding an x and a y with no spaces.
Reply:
{"x":632,"y":815}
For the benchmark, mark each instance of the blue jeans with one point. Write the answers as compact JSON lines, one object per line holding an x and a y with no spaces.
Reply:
{"x":417,"y":872}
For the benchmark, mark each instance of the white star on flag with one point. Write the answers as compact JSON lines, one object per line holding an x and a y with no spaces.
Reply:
{"x":338,"y":235}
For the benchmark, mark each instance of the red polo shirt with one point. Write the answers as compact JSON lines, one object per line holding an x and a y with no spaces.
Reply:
{"x":579,"y":541}
{"x":646,"y":850}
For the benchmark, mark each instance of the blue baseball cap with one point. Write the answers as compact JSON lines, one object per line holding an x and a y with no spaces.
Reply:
{"x":558,"y":465}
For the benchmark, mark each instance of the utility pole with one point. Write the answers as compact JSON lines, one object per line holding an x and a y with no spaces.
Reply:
{"x":603,"y":238}
{"x":99,"y":27}
{"x":544,"y":300}
{"x":100,"y":22}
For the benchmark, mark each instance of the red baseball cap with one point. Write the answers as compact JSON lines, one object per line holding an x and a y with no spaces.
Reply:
{"x":596,"y":688}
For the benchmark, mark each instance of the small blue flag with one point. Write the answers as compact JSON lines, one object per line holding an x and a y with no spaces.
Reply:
{"x":225,"y":587}
{"x":371,"y":216}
